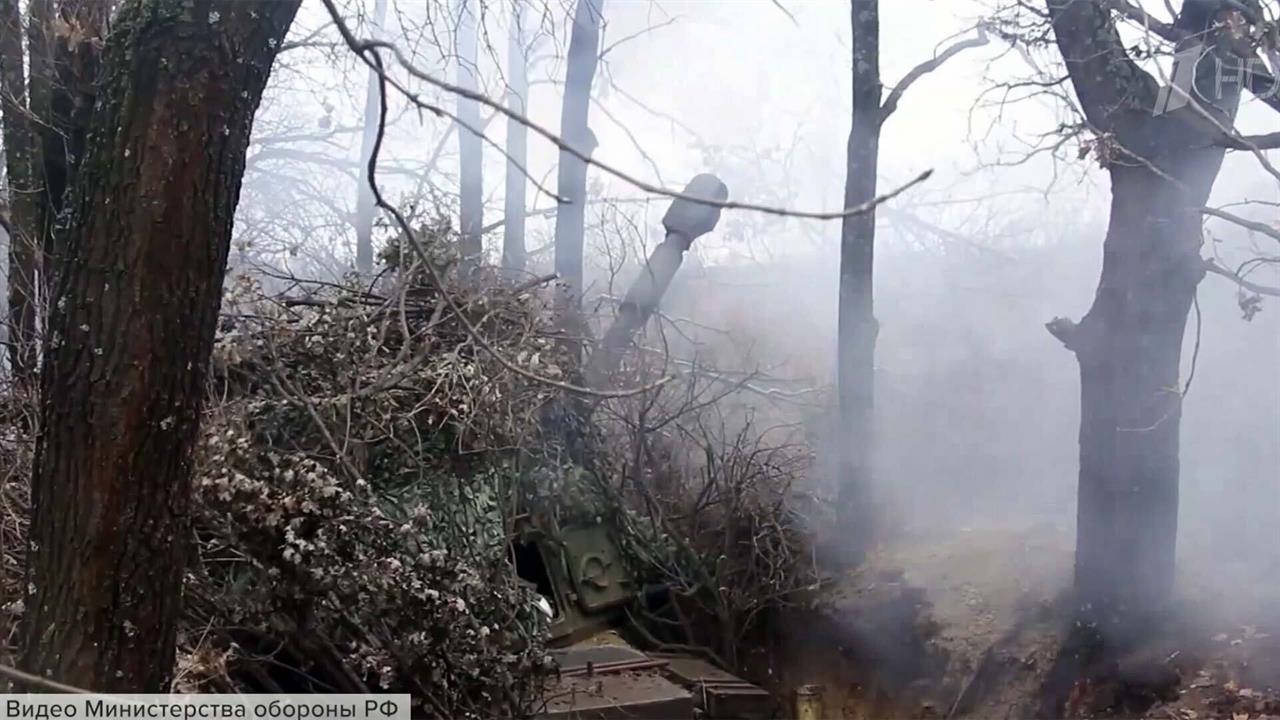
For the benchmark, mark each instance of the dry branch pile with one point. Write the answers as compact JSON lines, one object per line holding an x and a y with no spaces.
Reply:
{"x":712,"y":501}
{"x":355,"y":479}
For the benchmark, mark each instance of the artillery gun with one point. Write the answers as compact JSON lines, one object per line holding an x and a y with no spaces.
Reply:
{"x":579,"y":573}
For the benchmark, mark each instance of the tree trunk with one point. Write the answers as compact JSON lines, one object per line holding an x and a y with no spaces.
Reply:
{"x":65,"y":61}
{"x":857,"y":323}
{"x":1129,"y":347}
{"x":48,"y":157}
{"x":470,"y":150}
{"x":1163,"y":165}
{"x":584,"y":52}
{"x":24,"y":224}
{"x":130,"y":337}
{"x":513,"y":247}
{"x":364,"y":194}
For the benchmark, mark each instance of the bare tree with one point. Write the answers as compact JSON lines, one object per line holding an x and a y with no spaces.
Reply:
{"x":470,"y":148}
{"x":24,"y":221}
{"x":583,"y":56}
{"x":369,"y":133}
{"x":513,"y":244}
{"x":1163,"y":158}
{"x":856,"y":335}
{"x":856,"y":344}
{"x":130,"y":336}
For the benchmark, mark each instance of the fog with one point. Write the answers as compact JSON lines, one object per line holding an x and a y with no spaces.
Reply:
{"x":511,"y":402}
{"x":978,"y":405}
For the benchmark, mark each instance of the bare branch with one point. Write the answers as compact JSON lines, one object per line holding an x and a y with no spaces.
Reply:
{"x":1242,"y":222}
{"x":1213,"y":267}
{"x":924,"y":68}
{"x":362,"y":48}
{"x":1269,"y":141}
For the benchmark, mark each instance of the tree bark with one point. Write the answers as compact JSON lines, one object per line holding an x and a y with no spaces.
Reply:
{"x":24,"y":222}
{"x":513,"y":245}
{"x":571,"y":185}
{"x":1129,"y":344}
{"x":364,"y":194}
{"x":65,"y":61}
{"x":470,"y":150}
{"x":856,"y":335}
{"x":48,"y":156}
{"x":1129,"y":347}
{"x":130,"y":336}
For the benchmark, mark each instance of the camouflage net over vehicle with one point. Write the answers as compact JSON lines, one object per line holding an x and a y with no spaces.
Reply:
{"x":361,"y":460}
{"x":354,"y":482}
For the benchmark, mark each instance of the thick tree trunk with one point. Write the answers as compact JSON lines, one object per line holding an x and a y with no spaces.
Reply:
{"x":24,"y":221}
{"x":513,"y":247}
{"x":856,"y":342}
{"x":1129,"y":346}
{"x":571,"y":185}
{"x":364,"y":194}
{"x":1162,"y":165}
{"x":470,"y":150}
{"x":130,"y":336}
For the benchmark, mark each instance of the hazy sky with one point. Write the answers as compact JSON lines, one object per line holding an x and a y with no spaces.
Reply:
{"x":962,"y":348}
{"x":742,"y":72}
{"x":758,"y":92}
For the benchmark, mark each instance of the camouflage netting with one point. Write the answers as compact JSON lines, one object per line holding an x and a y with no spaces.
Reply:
{"x":355,"y":475}
{"x":361,"y":461}
{"x":355,"y":470}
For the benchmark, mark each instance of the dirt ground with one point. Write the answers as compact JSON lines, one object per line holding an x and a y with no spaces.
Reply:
{"x":970,"y":624}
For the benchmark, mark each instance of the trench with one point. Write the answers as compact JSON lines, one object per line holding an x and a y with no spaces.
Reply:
{"x":980,"y":625}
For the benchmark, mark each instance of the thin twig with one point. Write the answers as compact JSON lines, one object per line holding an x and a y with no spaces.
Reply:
{"x":436,"y":277}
